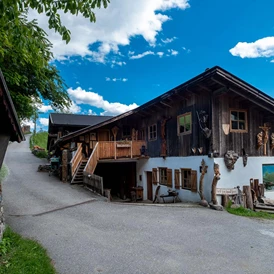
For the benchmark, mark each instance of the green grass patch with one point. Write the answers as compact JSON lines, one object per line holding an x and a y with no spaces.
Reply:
{"x":23,"y":256}
{"x":3,"y":172}
{"x":39,"y":139}
{"x":241,"y":211}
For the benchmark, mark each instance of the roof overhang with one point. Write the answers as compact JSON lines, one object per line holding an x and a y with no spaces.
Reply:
{"x":16,"y":131}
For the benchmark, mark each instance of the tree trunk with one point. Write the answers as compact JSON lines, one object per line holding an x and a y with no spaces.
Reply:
{"x":249,"y":201}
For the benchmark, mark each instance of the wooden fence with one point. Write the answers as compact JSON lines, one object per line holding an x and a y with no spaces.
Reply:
{"x":94,"y":182}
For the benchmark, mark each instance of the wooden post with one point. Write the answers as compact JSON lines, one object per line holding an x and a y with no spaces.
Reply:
{"x":261,"y":190}
{"x":131,"y":149}
{"x":64,"y":165}
{"x":256,"y":187}
{"x":251,"y":184}
{"x":249,"y":201}
{"x":225,"y":199}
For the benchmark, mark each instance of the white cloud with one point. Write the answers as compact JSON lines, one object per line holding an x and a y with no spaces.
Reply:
{"x":91,"y":112}
{"x":44,"y":121}
{"x":261,"y":48}
{"x":44,"y":108}
{"x":81,"y":96}
{"x":173,"y":52}
{"x":141,"y":55}
{"x":272,"y":61}
{"x":74,"y":108}
{"x":118,"y":63}
{"x":160,"y":53}
{"x":108,"y":79}
{"x":187,"y":50}
{"x":114,"y":27}
{"x":168,"y":40}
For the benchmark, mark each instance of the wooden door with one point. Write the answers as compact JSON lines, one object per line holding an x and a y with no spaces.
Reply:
{"x":149,"y":185}
{"x":103,"y":135}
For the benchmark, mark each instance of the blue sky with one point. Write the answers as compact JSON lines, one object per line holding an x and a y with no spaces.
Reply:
{"x":138,"y":50}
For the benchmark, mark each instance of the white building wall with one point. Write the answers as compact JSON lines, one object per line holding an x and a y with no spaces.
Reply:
{"x":240,"y":176}
{"x":173,"y":163}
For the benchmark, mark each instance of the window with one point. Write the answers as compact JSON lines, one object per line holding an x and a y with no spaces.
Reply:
{"x":152,"y":132}
{"x":238,"y":121}
{"x":186,"y":178}
{"x":126,"y":131}
{"x":184,"y":123}
{"x":189,"y":179}
{"x":163,"y":176}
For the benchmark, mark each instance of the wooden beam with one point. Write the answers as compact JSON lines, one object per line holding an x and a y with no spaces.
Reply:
{"x":165,"y":104}
{"x":204,"y":87}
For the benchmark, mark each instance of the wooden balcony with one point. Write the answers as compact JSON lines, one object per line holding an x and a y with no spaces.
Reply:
{"x":120,"y":149}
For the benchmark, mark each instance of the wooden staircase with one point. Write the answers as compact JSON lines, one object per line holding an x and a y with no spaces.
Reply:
{"x":78,"y":176}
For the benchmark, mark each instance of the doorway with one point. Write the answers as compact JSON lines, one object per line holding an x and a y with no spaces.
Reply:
{"x":149,"y":185}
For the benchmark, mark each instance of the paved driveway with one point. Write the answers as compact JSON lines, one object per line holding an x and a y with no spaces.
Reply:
{"x":84,"y":234}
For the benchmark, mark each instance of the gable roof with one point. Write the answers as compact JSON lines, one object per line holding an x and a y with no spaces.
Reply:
{"x":9,"y":113}
{"x":76,"y":119}
{"x":211,"y":80}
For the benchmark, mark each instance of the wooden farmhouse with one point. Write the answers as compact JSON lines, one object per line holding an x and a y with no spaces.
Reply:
{"x":61,"y":124}
{"x":10,"y":129}
{"x":214,"y":117}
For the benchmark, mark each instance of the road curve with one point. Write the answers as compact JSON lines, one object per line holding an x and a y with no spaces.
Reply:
{"x":84,"y":234}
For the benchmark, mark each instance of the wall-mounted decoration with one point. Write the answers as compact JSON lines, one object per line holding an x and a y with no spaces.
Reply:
{"x":203,"y":169}
{"x":200,"y":150}
{"x":163,"y":137}
{"x":203,"y":122}
{"x":245,"y":156}
{"x":226,"y":128}
{"x":262,"y":137}
{"x":230,"y":158}
{"x":193,"y":150}
{"x":272,"y":141}
{"x":268,"y":176}
{"x":214,"y":203}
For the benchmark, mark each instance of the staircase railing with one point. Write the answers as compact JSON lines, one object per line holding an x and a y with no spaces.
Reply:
{"x":76,"y":160}
{"x":93,"y":160}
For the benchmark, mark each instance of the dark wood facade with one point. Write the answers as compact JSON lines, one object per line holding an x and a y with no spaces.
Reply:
{"x":216,"y":93}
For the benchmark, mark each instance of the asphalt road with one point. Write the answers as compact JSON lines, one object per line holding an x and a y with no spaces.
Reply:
{"x":84,"y":234}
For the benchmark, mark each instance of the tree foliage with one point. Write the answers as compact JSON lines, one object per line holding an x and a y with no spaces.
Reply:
{"x":25,"y":51}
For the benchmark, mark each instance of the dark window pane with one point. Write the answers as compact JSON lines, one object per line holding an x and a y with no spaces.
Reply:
{"x":242,"y":116}
{"x":234,"y":125}
{"x":234,"y":115}
{"x":242,"y":125}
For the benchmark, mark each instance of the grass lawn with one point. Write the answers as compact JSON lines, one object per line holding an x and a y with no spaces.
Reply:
{"x":23,"y":256}
{"x":40,"y":139}
{"x":241,"y":211}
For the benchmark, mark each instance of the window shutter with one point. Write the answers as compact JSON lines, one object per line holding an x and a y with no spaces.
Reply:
{"x":193,"y":180}
{"x":154,"y":176}
{"x":177,"y":178}
{"x":169,"y":177}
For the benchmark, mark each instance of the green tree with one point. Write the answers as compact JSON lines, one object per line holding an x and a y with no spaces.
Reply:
{"x":25,"y":51}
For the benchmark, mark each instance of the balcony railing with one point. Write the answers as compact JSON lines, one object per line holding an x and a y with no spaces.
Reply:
{"x":120,"y":149}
